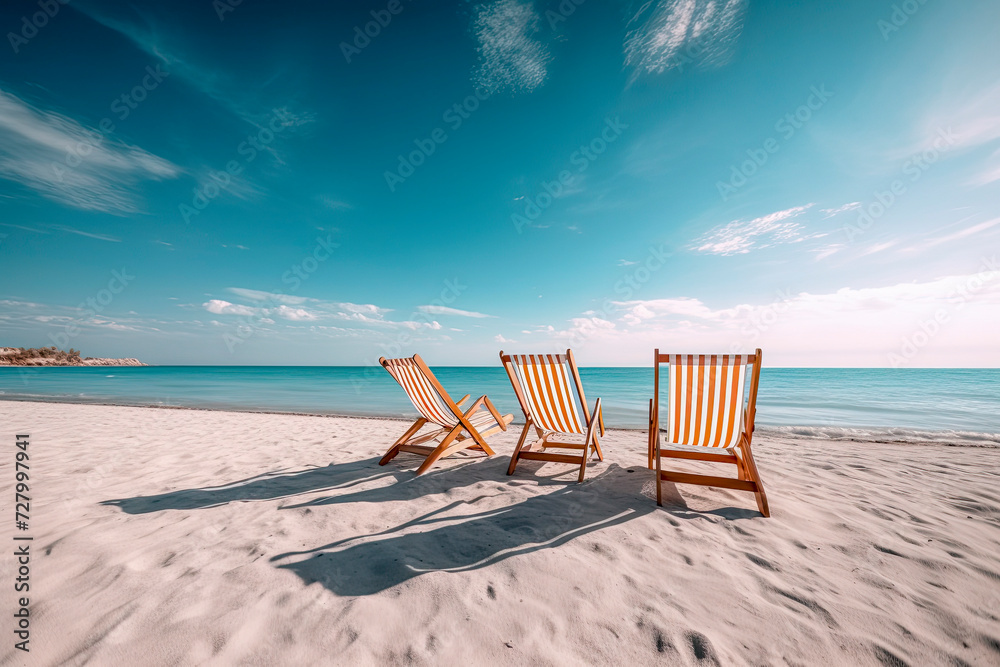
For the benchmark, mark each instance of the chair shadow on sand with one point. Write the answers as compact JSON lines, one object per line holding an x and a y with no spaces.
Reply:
{"x":454,"y":475}
{"x":444,"y":539}
{"x":368,"y":564}
{"x":458,"y":471}
{"x":267,"y":486}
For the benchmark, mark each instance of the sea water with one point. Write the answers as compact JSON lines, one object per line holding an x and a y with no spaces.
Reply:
{"x":878,"y":404}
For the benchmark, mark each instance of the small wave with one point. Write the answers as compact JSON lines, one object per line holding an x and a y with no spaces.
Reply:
{"x":885,"y":434}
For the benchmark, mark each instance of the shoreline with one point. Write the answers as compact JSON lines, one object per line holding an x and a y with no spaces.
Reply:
{"x":970,"y":439}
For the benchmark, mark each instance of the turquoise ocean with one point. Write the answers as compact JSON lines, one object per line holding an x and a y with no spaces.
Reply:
{"x":958,"y":405}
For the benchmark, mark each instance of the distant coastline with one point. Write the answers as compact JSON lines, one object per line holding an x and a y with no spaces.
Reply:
{"x":52,"y":356}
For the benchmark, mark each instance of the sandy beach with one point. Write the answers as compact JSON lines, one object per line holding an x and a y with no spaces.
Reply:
{"x":201,"y":537}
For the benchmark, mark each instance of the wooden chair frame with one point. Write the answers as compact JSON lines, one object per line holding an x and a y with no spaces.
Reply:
{"x":594,"y":421}
{"x":463,"y":435}
{"x":748,"y":477}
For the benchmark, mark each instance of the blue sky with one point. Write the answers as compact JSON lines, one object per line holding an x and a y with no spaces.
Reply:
{"x":263,"y":183}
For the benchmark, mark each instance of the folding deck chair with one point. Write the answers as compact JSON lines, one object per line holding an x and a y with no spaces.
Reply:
{"x":458,"y":430}
{"x":707,"y":419}
{"x":541,"y":382}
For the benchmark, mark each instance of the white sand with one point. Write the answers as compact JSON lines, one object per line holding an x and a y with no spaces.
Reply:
{"x":196,"y":537}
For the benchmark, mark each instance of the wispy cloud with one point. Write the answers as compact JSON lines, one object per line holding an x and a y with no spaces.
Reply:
{"x":80,"y":232}
{"x":742,"y":236}
{"x":301,"y":308}
{"x":34,"y":145}
{"x":259,"y":295}
{"x":830,"y":212}
{"x":445,"y":310}
{"x":829,"y":250}
{"x":510,"y":57}
{"x":42,"y":318}
{"x":243,"y":101}
{"x":955,"y":236}
{"x":668,"y":34}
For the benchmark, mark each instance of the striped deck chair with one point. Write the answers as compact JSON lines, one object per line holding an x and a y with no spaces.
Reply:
{"x":457,"y":429}
{"x":542,"y":385}
{"x":706,"y":419}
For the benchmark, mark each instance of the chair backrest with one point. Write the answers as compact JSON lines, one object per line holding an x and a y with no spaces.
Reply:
{"x":705,"y":397}
{"x":542,"y":385}
{"x":422,"y":388}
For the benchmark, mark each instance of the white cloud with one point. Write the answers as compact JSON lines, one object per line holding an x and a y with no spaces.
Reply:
{"x":268,"y":306}
{"x":670,"y":34}
{"x":220,"y":307}
{"x":294,"y":314}
{"x":847,"y":327}
{"x":444,"y":310}
{"x":742,"y":236}
{"x":34,"y":145}
{"x":510,"y":58}
{"x":500,"y":339}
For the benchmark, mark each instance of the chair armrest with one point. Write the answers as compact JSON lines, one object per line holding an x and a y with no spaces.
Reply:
{"x":463,"y":400}
{"x":494,"y":412}
{"x":598,"y":414}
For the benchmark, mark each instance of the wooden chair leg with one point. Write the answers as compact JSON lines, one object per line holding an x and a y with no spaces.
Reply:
{"x":649,"y":439}
{"x":597,"y":449}
{"x":517,"y":450}
{"x":659,"y":482}
{"x":754,"y":475}
{"x":439,"y":450}
{"x":394,"y":449}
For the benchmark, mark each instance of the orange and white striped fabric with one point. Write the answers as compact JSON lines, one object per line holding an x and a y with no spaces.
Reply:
{"x":424,"y":397}
{"x":544,"y":380}
{"x":706,"y":399}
